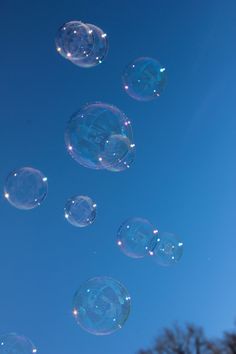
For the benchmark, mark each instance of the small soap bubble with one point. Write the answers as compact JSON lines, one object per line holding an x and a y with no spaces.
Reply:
{"x":98,"y":51}
{"x":26,"y":188}
{"x":74,"y":40}
{"x":101,"y":306}
{"x":90,"y":130}
{"x":168,"y":249}
{"x":80,"y":211}
{"x":144,"y":79}
{"x":136,"y":237}
{"x":13,"y":343}
{"x":84,"y":45}
{"x":119,"y":153}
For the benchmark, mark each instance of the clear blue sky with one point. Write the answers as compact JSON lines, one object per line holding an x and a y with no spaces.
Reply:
{"x":183,"y":179}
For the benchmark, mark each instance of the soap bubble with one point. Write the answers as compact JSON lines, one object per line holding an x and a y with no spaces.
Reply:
{"x":14,"y":344}
{"x":90,"y":128}
{"x":101,"y":306}
{"x":85,"y":45}
{"x":144,"y":79}
{"x":26,"y":188}
{"x":168,"y":249}
{"x":118,"y":153}
{"x":80,"y":211}
{"x":98,"y":50}
{"x":74,"y":40}
{"x":136,"y":237}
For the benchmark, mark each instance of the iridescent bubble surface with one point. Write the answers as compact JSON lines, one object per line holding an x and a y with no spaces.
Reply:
{"x":74,"y":40}
{"x":101,"y":306}
{"x":98,"y":50}
{"x":26,"y":188}
{"x":168,"y":249}
{"x":118,"y":154}
{"x":136,"y":237}
{"x":80,"y":211}
{"x":13,"y":343}
{"x":90,"y":128}
{"x":144,"y":79}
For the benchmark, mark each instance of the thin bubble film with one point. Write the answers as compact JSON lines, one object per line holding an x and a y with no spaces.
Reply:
{"x":101,"y":306}
{"x":80,"y":211}
{"x":168,"y":249}
{"x":136,"y":237}
{"x":144,"y":79}
{"x":13,"y":343}
{"x":90,"y":128}
{"x":26,"y":188}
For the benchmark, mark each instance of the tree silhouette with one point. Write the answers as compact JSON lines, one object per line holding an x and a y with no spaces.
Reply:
{"x":229,"y":343}
{"x":191,"y":339}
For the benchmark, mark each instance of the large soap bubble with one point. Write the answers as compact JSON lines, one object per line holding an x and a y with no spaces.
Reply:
{"x":168,"y":249}
{"x":144,"y":79}
{"x":101,"y":306}
{"x":13,"y":343}
{"x":26,"y":188}
{"x":90,"y":134}
{"x":80,"y":211}
{"x":136,"y":237}
{"x":85,"y":45}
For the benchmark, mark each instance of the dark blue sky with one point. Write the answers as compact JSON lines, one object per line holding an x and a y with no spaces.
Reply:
{"x":183,"y":179}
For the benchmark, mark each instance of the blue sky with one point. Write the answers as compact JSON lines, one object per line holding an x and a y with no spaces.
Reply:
{"x":183,"y":179}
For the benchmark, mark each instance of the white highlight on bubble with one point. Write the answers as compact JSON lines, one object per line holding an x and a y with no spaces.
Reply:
{"x":75,"y":312}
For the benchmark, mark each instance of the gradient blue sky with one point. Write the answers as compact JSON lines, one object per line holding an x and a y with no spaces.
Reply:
{"x":183,"y":179}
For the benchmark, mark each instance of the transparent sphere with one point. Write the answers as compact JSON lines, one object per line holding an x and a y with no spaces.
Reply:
{"x":98,"y":50}
{"x":26,"y":188}
{"x":144,"y":79}
{"x":118,"y":154}
{"x":101,"y":306}
{"x":80,"y":211}
{"x":136,"y":237}
{"x":90,"y":128}
{"x":74,"y":40}
{"x":85,"y":45}
{"x":14,"y":344}
{"x":168,"y":249}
